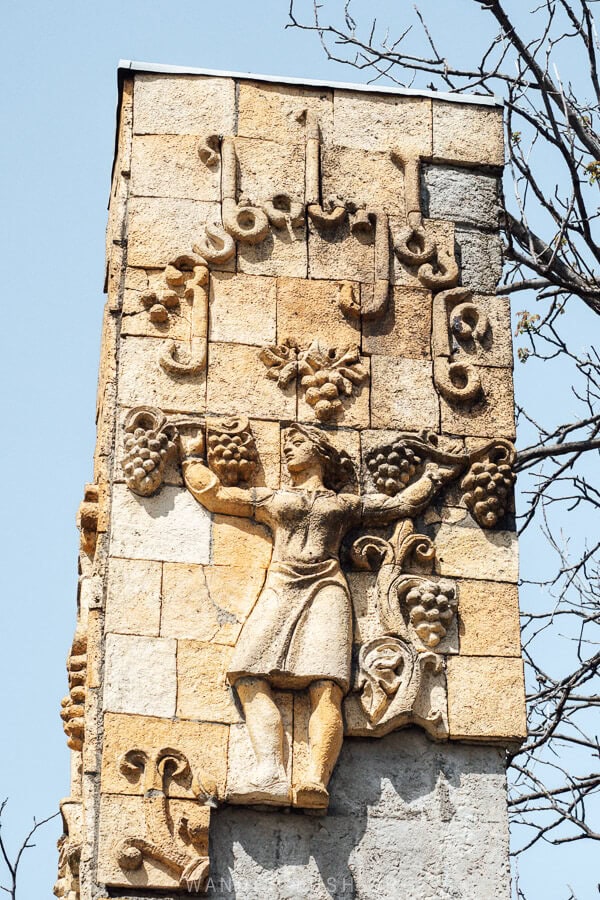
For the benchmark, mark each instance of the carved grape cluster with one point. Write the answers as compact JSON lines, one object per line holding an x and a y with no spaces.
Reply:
{"x":488,"y":488}
{"x":232,"y":456}
{"x":323,"y":391}
{"x":432,"y":606}
{"x":146,"y":454}
{"x":393,"y":467}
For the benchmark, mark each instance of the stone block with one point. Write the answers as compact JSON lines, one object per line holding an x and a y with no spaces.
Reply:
{"x":486,"y":698}
{"x":355,"y":411}
{"x":405,"y":329}
{"x":133,"y":597}
{"x":265,"y":110}
{"x":402,"y":394}
{"x":465,"y":132}
{"x":268,"y":442}
{"x":140,"y":675}
{"x":183,"y":104}
{"x":491,"y":416}
{"x":460,"y":195}
{"x":143,"y":381}
{"x":203,"y":693}
{"x":136,"y":319}
{"x":368,"y":180}
{"x":238,"y":385}
{"x":493,"y":349}
{"x":240,"y":542}
{"x":204,"y":744}
{"x":309,"y":310}
{"x":242,"y":309}
{"x":337,"y":253}
{"x":284,"y":251}
{"x":168,"y":165}
{"x":379,"y":123}
{"x":468,"y":551}
{"x":162,"y":228}
{"x":267,"y":168}
{"x":480,"y":257}
{"x":241,"y":762}
{"x":442,"y":233}
{"x":169,"y":525}
{"x":488,"y":614}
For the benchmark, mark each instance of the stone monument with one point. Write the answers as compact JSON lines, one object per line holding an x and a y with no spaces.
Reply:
{"x":296,"y":665}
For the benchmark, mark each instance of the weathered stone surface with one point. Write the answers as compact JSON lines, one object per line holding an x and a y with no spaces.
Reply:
{"x":265,"y":110}
{"x":267,"y":169}
{"x":309,"y":310}
{"x":368,"y":180}
{"x":284,"y":251}
{"x":480,"y":257}
{"x":467,"y":551}
{"x":169,"y":525}
{"x":486,"y":698}
{"x":240,"y":542}
{"x":465,"y":132}
{"x":183,"y":104}
{"x":168,"y":165}
{"x":491,"y":416}
{"x":143,"y":381}
{"x":405,"y":329}
{"x":489,"y":619}
{"x":161,"y":229}
{"x":140,"y":675}
{"x":441,"y":233}
{"x":133,"y":597}
{"x":461,"y":195}
{"x":204,"y":745}
{"x":238,"y":385}
{"x":392,"y":833}
{"x":402,"y":394}
{"x":268,"y":441}
{"x":202,"y":690}
{"x":242,"y":309}
{"x":402,"y":123}
{"x":136,"y":319}
{"x":337,"y":253}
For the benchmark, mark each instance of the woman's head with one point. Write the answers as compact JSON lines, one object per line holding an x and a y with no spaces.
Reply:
{"x":306,"y":446}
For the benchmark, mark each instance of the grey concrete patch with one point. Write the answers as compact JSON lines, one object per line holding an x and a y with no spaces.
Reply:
{"x":460,"y":195}
{"x":480,"y":256}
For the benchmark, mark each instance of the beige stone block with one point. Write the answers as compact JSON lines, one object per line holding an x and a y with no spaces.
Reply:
{"x":366,"y":179}
{"x":486,"y":698}
{"x":284,"y":251}
{"x":488,"y":614}
{"x":405,"y":329}
{"x":382,"y":122}
{"x":495,"y":346}
{"x":268,"y":442}
{"x":402,"y":394}
{"x":238,"y":385}
{"x":240,"y":542}
{"x":309,"y":310}
{"x":169,"y":525}
{"x":183,"y":104}
{"x":468,"y":551}
{"x":492,"y":416}
{"x":136,"y":319}
{"x":242,"y":309}
{"x":133,"y":596}
{"x":202,"y":689}
{"x":242,"y":762}
{"x":276,"y":111}
{"x":125,"y":817}
{"x":168,"y":165}
{"x":143,"y":381}
{"x":208,"y":603}
{"x":140,"y":675}
{"x":441,"y":233}
{"x":203,"y":744}
{"x":267,"y":168}
{"x":337,"y":253}
{"x":94,"y":630}
{"x":355,"y":408}
{"x":468,"y":133}
{"x":161,"y":228}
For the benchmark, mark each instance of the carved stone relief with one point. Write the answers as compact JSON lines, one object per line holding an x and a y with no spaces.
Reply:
{"x":73,"y":707}
{"x":69,"y":851}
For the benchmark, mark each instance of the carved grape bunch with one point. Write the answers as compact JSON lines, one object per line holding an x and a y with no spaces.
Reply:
{"x":488,"y":491}
{"x":232,"y":453}
{"x":393,"y":467}
{"x":148,"y":445}
{"x":431,"y":607}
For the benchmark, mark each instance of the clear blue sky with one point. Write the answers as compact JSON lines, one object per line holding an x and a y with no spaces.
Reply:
{"x":58,"y":113}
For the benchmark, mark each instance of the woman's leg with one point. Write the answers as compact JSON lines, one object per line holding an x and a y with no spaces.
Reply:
{"x":325,"y":729}
{"x":263,"y":721}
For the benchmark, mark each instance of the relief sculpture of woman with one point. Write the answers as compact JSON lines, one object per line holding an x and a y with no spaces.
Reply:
{"x":298,"y":636}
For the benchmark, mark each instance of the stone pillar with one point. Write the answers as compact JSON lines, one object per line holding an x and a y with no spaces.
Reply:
{"x":296,"y":665}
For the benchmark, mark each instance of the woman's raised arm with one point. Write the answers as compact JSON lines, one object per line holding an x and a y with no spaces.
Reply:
{"x":379,"y":509}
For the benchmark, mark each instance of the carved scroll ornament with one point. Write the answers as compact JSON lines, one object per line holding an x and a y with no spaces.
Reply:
{"x":458,"y":325}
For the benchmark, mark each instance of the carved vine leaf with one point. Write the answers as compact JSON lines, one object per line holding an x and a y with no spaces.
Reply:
{"x":232,"y":453}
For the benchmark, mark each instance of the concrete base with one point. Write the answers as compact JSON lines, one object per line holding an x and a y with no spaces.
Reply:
{"x":408,"y":820}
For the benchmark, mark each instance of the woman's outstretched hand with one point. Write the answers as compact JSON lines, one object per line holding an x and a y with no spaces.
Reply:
{"x":190,"y":443}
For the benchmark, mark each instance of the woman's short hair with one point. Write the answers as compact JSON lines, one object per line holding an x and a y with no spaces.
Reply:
{"x":338,"y":470}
